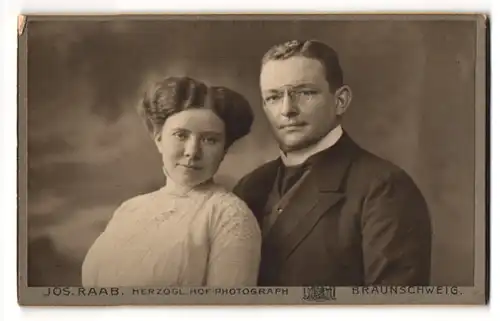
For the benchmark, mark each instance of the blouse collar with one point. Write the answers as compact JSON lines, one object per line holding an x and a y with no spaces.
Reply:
{"x":173,"y":188}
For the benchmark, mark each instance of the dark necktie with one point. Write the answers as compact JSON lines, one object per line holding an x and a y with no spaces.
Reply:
{"x":290,"y":176}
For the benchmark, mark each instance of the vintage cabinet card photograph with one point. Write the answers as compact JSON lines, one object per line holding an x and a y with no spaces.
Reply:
{"x":250,"y":159}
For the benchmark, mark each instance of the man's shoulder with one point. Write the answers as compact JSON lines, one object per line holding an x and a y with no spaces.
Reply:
{"x":256,"y":178}
{"x":370,"y":169}
{"x":368,"y":166}
{"x":262,"y":171}
{"x":371,"y":162}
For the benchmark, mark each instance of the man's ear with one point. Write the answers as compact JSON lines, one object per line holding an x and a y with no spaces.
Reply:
{"x":343,"y":99}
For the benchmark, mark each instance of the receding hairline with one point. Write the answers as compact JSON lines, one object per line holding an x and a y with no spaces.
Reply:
{"x":306,"y":82}
{"x":291,"y":48}
{"x":312,"y":49}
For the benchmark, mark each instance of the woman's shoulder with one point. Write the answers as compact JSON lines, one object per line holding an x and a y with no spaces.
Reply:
{"x":230,"y":215}
{"x":225,"y":205}
{"x":138,"y":202}
{"x":224,"y":198}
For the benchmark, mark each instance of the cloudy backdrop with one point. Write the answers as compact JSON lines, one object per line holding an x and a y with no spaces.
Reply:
{"x":413,"y":104}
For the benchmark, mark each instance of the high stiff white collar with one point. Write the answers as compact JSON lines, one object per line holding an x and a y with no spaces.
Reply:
{"x":298,"y":157}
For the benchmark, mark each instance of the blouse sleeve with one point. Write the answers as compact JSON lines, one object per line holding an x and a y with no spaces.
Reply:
{"x":91,"y":263}
{"x":235,"y":246}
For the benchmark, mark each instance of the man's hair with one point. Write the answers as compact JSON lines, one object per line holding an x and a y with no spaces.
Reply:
{"x":310,"y":49}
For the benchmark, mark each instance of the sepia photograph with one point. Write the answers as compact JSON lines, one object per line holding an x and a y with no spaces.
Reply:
{"x":252,"y":159}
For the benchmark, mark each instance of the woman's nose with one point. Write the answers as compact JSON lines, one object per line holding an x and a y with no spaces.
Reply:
{"x":192,"y":148}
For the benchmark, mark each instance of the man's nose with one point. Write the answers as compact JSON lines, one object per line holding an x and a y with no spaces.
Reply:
{"x":192,"y":148}
{"x":288,"y":107}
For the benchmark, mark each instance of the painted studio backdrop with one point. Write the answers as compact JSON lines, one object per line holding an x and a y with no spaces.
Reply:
{"x":413,"y":104}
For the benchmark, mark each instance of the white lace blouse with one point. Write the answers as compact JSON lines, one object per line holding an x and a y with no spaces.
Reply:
{"x":202,"y":237}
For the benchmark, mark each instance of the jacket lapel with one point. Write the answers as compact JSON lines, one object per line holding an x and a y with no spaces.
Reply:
{"x":320,"y":191}
{"x":258,"y":191}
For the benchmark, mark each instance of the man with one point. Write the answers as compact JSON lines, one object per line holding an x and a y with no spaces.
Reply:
{"x":331,"y":213}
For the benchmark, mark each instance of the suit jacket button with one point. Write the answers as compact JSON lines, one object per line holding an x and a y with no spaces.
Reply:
{"x":280,"y":210}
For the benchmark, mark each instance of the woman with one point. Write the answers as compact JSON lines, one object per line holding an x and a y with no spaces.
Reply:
{"x":190,"y":232}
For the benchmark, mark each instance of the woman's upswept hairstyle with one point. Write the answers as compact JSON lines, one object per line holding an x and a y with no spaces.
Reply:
{"x":175,"y":94}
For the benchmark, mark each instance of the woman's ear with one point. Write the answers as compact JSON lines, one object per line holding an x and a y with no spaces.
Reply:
{"x":343,"y":99}
{"x":157,"y":140}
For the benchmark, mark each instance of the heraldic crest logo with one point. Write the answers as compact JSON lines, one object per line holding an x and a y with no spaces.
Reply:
{"x":319,"y":293}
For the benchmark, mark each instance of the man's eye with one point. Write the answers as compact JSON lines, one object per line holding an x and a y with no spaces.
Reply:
{"x":272,"y":99}
{"x":307,"y":93}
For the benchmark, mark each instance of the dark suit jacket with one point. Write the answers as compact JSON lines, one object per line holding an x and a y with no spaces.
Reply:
{"x":356,"y":220}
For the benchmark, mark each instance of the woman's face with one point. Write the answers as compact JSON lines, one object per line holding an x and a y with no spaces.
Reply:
{"x":192,"y":146}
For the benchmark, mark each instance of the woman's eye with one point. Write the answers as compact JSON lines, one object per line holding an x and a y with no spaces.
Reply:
{"x":181,"y":135}
{"x":210,"y":140}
